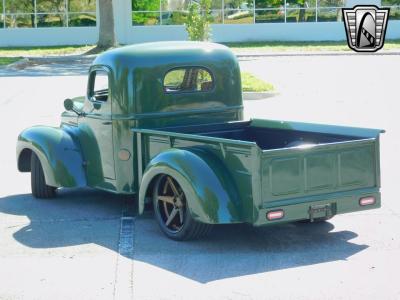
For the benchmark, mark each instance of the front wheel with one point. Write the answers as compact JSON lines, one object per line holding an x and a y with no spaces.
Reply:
{"x":172,"y":212}
{"x":38,"y":184}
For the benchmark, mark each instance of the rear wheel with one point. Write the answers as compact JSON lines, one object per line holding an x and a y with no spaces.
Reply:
{"x":38,"y":184}
{"x":172,"y":212}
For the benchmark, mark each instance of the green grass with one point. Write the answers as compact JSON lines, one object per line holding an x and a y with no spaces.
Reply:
{"x":43,"y":51}
{"x":269,"y":46}
{"x":251,"y":83}
{"x":301,"y":46}
{"x":8,"y":60}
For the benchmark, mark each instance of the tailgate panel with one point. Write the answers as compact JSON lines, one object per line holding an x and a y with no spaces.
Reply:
{"x":285,"y":175}
{"x":357,"y":167}
{"x":294,"y":172}
{"x":320,"y":171}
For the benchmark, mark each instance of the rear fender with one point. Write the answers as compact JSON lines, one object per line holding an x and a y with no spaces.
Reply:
{"x":210,"y":191}
{"x":58,"y":152}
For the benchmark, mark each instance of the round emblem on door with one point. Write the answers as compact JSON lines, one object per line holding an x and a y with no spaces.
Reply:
{"x":124,"y":154}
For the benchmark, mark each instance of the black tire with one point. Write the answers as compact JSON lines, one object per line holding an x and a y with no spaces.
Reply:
{"x":188,"y":229}
{"x":38,"y":184}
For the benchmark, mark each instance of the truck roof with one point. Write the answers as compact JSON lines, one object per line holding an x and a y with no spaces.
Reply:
{"x":142,"y":54}
{"x":138,"y":82}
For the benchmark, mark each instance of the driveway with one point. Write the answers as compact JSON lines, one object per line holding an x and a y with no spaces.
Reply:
{"x":78,"y":246}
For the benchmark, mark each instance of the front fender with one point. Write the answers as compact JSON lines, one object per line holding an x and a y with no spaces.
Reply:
{"x":59,"y":154}
{"x":210,"y":191}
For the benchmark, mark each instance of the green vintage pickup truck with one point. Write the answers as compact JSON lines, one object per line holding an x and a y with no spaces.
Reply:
{"x":164,"y":122}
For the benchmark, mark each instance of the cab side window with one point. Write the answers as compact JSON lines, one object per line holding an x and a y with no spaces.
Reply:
{"x":99,"y":85}
{"x":188,"y":79}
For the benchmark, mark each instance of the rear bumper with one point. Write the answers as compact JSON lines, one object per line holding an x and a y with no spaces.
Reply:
{"x":299,"y":208}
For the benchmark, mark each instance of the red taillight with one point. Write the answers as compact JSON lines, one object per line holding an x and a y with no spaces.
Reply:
{"x":367,"y":201}
{"x":275,"y":214}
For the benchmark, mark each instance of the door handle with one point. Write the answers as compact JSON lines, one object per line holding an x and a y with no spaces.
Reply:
{"x":107,"y":123}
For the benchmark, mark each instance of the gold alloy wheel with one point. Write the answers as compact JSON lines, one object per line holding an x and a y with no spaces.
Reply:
{"x":171,"y":204}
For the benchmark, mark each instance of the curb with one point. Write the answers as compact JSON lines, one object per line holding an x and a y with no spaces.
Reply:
{"x":258,"y":95}
{"x":62,"y":58}
{"x":312,"y":53}
{"x":19,"y":64}
{"x":34,"y":60}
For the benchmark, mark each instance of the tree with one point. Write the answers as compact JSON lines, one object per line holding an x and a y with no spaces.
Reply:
{"x":145,"y":5}
{"x":25,"y":6}
{"x":51,"y":6}
{"x":198,"y":21}
{"x":106,"y":26}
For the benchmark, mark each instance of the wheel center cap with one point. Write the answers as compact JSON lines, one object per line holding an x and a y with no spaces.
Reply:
{"x":177,"y":202}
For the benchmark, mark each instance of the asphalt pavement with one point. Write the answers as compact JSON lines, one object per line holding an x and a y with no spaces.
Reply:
{"x":73,"y":247}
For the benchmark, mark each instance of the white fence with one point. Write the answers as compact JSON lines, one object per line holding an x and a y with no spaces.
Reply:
{"x":127,"y":34}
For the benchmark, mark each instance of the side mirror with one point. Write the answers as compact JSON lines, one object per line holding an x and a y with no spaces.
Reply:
{"x":96,"y":105}
{"x":69,"y":105}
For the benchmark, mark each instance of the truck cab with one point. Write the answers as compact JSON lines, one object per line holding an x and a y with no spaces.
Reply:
{"x":153,"y":85}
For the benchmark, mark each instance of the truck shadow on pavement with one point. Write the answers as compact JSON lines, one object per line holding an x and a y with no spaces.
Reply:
{"x":86,"y":216}
{"x":75,"y":217}
{"x":238,"y":250}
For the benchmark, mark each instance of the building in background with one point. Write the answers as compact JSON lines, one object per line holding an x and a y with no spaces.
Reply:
{"x":61,"y":22}
{"x":47,"y":13}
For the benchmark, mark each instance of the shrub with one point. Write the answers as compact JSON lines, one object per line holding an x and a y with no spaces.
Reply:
{"x":198,"y":21}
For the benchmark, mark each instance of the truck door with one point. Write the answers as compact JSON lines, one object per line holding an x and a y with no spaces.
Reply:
{"x":96,"y":128}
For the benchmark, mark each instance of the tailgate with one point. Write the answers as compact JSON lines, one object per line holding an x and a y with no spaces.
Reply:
{"x":294,"y":172}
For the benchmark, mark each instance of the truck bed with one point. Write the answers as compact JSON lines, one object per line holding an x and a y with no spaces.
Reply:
{"x":265,"y":138}
{"x":280,"y":164}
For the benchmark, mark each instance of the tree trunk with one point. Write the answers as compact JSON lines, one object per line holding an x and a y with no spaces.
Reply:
{"x":302,"y":12}
{"x":106,"y":25}
{"x":32,"y":15}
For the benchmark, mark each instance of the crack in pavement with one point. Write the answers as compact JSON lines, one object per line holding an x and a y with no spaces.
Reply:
{"x":123,"y":282}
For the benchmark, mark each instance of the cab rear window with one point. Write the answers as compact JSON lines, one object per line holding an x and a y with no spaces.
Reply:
{"x":188,"y":79}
